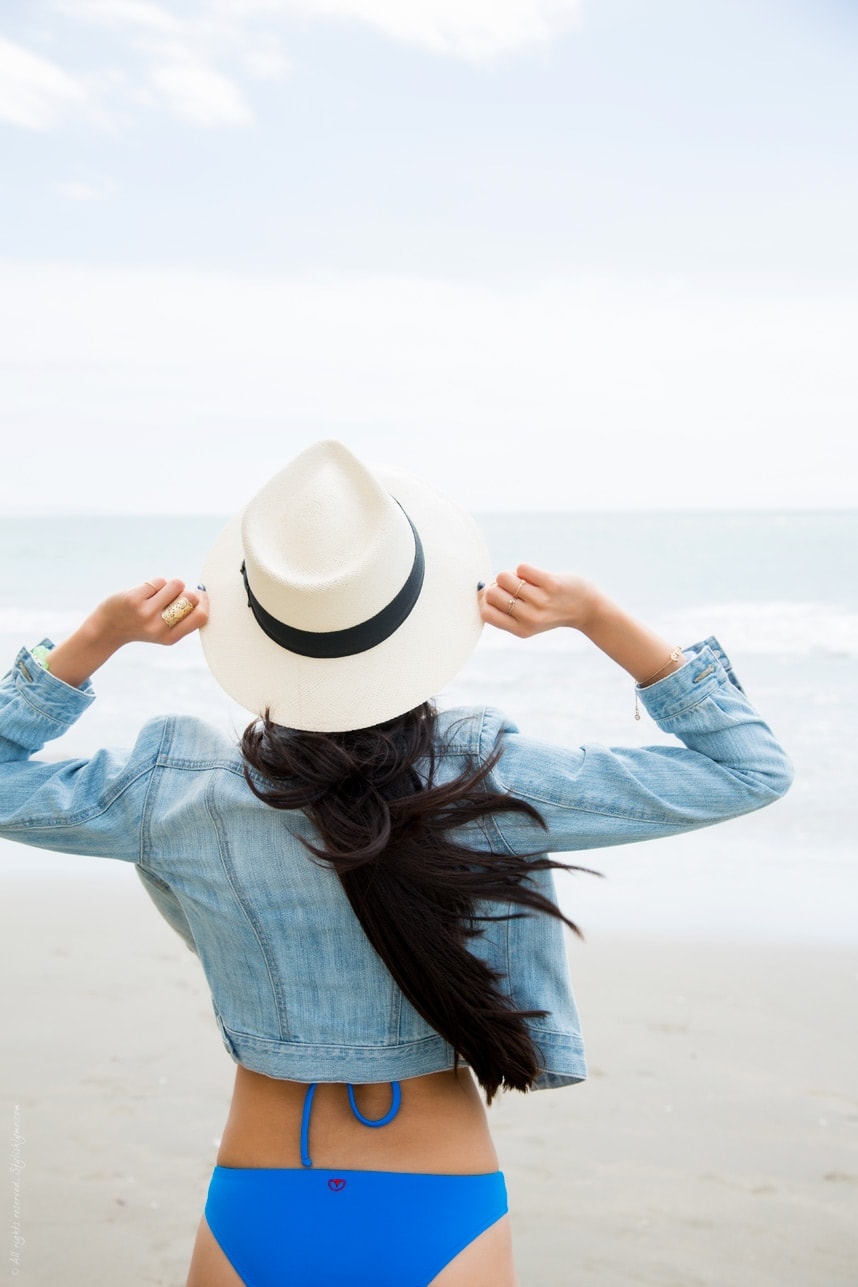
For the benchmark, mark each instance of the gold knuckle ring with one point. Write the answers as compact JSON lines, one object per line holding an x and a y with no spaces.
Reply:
{"x":152,"y":585}
{"x":520,"y":584}
{"x":177,"y":611}
{"x":510,"y":608}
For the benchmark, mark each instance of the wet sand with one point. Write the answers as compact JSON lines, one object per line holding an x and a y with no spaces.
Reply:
{"x":715,"y":1143}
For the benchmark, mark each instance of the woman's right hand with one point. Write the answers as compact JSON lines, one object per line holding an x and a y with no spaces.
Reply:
{"x":529,"y":601}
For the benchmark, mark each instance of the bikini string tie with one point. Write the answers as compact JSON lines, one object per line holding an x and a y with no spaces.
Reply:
{"x":395,"y":1101}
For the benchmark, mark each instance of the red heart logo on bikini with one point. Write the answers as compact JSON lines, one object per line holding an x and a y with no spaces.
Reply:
{"x":336,"y":1186}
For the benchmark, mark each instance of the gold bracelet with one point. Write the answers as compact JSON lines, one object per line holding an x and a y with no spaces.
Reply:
{"x":675,"y":654}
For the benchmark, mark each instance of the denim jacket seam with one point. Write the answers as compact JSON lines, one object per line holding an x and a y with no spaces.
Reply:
{"x":574,"y":1036}
{"x":81,"y":817}
{"x":371,"y":1048}
{"x":664,"y":716}
{"x":167,"y":733}
{"x":709,"y":691}
{"x":498,"y":831}
{"x":599,"y":812}
{"x":507,"y":970}
{"x":203,"y":764}
{"x":261,"y":939}
{"x":62,"y":723}
{"x":150,"y":873}
{"x":456,"y":749}
{"x":471,"y":720}
{"x":396,"y":1011}
{"x":55,"y":690}
{"x":480,"y":736}
{"x":707,"y":651}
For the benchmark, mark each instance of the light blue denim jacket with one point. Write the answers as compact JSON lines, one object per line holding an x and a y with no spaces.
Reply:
{"x":297,"y":990}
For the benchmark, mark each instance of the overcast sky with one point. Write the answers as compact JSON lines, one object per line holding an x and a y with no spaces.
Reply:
{"x":548,"y":253}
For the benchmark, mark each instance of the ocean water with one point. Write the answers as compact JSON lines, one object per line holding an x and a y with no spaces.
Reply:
{"x":778,"y":589}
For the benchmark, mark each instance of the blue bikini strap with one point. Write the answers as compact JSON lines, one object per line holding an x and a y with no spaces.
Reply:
{"x":306,"y":1160}
{"x":395,"y":1100}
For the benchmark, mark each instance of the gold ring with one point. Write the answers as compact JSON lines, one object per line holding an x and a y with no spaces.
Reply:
{"x":154,"y":587}
{"x":510,"y":608}
{"x":520,"y":584}
{"x":177,"y":611}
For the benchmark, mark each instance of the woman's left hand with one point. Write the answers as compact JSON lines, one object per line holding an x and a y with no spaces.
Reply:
{"x":131,"y":616}
{"x":136,"y":615}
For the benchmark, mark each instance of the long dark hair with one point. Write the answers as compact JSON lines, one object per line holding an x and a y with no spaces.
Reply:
{"x":388,"y":830}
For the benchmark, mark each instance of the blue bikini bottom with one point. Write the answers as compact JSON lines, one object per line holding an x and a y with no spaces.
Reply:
{"x":317,"y":1228}
{"x":306,"y":1227}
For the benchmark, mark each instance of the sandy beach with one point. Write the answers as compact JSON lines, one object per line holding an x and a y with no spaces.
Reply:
{"x":716,"y":1141}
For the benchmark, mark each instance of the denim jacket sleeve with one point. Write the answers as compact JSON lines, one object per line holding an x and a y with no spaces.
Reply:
{"x":593,"y":796}
{"x":87,"y":806}
{"x":588,"y":796}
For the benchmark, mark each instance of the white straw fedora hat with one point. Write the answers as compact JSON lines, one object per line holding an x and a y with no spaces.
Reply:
{"x":341,"y":597}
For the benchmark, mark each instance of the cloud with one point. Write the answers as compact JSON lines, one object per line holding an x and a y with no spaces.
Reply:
{"x":125,"y":13}
{"x":191,"y":62}
{"x":200,"y":94}
{"x":188,"y":64}
{"x":80,"y":190}
{"x":265,"y":60}
{"x":477,"y":30}
{"x":34,"y":93}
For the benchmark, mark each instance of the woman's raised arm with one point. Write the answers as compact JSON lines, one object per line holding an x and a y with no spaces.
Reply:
{"x":530,"y":601}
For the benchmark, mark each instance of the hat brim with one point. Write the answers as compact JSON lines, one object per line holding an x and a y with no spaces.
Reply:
{"x":338,"y":694}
